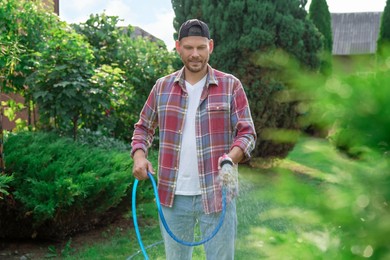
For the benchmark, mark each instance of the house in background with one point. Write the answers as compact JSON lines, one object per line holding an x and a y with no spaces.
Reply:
{"x":355,"y":37}
{"x":53,"y":5}
{"x":139,"y":32}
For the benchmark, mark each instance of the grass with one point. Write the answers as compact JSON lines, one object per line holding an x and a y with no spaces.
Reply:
{"x":275,"y":220}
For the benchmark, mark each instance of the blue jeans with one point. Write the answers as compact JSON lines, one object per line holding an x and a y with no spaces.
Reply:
{"x":182,"y":218}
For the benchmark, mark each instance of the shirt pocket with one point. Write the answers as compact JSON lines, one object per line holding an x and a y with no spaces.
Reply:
{"x":218,"y":107}
{"x":219,"y":117}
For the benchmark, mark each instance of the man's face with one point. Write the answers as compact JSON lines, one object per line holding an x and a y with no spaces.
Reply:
{"x":195,"y":52}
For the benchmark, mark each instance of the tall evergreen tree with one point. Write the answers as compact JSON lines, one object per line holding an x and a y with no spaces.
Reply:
{"x":185,"y":10}
{"x":384,"y":33}
{"x":246,"y":34}
{"x":320,"y":15}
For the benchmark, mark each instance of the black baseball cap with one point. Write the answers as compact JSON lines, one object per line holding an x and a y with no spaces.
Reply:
{"x":194,"y":27}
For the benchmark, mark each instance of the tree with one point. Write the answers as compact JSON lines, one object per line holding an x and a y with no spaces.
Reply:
{"x":185,"y":10}
{"x":320,"y":15}
{"x":27,"y":28}
{"x":384,"y":33}
{"x":61,"y":84}
{"x":127,"y":69}
{"x":93,"y":77}
{"x":17,"y":40}
{"x":105,"y":36}
{"x":10,"y":50}
{"x":254,"y":40}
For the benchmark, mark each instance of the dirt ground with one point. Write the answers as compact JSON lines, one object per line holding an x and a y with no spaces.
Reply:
{"x":33,"y":250}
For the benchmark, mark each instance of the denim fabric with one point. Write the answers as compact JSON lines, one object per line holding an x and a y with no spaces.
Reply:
{"x":186,"y":212}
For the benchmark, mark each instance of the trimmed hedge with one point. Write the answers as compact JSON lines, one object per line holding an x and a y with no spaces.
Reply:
{"x":60,"y":186}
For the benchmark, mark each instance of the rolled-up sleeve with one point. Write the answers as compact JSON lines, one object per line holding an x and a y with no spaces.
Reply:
{"x":145,"y":128}
{"x":244,"y":130}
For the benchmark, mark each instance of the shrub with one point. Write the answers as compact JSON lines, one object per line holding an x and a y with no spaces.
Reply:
{"x":356,"y":108}
{"x":99,"y":139}
{"x":61,"y":187}
{"x":4,"y":185}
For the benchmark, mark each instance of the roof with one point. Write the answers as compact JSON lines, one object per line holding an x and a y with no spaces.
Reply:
{"x":355,"y":33}
{"x":139,"y":32}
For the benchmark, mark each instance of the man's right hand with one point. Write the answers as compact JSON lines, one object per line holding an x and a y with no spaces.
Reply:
{"x":141,"y":165}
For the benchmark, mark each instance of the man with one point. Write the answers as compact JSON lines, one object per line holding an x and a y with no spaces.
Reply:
{"x":204,"y":121}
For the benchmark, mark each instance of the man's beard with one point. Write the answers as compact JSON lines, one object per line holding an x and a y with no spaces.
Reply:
{"x":199,"y":66}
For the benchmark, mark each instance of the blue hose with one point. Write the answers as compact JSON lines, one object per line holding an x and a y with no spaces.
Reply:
{"x":186,"y":243}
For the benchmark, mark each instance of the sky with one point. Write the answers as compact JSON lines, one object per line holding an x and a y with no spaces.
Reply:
{"x":156,"y":16}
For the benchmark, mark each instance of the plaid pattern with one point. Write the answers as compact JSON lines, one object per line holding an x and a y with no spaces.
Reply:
{"x":223,"y":120}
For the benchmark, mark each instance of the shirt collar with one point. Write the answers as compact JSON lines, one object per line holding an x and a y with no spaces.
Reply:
{"x":211,"y":78}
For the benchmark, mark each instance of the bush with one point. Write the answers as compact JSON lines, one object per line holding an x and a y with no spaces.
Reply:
{"x":340,"y":212}
{"x":98,"y":139}
{"x":61,"y":187}
{"x":4,"y":185}
{"x":355,"y":107}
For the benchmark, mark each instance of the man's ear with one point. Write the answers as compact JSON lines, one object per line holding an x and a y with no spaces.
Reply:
{"x":177,"y":45}
{"x":211,"y":45}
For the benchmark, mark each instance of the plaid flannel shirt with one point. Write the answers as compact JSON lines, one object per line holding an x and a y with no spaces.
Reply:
{"x":223,"y":120}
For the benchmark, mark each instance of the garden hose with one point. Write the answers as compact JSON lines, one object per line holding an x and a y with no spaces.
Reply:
{"x":186,"y":243}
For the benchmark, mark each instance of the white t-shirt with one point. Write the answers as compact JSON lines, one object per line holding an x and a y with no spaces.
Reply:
{"x":188,"y":176}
